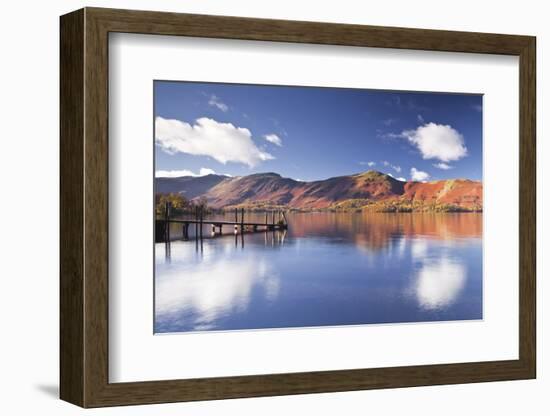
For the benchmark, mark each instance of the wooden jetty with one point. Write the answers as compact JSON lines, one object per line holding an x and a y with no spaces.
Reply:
{"x":276,"y":220}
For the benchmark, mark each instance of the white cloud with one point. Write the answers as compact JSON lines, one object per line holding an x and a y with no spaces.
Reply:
{"x":215,"y":101}
{"x":173,"y":173}
{"x":394,"y":167}
{"x":273,"y":138}
{"x":184,"y":172}
{"x":280,"y":128}
{"x":418,"y":175}
{"x":437,"y":141}
{"x":477,"y":107}
{"x":399,"y":179}
{"x":420,"y":118}
{"x":443,"y":166}
{"x":223,"y":142}
{"x":206,"y":171}
{"x":370,"y":164}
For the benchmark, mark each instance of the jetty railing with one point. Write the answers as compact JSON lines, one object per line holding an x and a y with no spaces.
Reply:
{"x":277,"y":221}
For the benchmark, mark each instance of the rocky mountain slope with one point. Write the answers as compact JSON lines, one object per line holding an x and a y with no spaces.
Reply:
{"x":367,"y":190}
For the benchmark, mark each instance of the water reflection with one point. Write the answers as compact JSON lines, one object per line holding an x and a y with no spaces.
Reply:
{"x":218,"y":288}
{"x":439,"y":283}
{"x":327,"y":269}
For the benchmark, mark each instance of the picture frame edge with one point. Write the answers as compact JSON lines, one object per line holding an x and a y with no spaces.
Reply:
{"x":84,"y":233}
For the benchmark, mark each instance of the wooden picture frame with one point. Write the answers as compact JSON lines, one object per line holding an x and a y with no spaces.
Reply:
{"x":84,"y":207}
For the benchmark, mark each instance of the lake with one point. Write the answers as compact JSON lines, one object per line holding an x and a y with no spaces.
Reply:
{"x":326,"y":269}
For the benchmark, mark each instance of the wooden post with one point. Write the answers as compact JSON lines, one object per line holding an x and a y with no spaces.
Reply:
{"x":284,"y":218}
{"x":273,"y":218}
{"x":266,"y":219}
{"x":242,"y":220}
{"x":236,"y":216}
{"x":200,"y":220}
{"x":166,"y":221}
{"x":160,"y":231}
{"x":196,"y":223}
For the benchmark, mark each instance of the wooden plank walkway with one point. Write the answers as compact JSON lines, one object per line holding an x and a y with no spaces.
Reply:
{"x":223,"y":222}
{"x":162,"y":226}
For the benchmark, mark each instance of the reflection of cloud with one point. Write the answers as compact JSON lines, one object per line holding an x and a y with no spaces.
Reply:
{"x":419,"y":248}
{"x":439,"y":283}
{"x":402,"y":245}
{"x":211,"y":292}
{"x":272,"y":287}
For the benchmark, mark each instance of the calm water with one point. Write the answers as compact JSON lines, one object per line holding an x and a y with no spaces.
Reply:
{"x":327,"y":269}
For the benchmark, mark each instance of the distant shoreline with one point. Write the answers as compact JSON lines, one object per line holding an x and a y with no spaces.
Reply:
{"x":382,"y":210}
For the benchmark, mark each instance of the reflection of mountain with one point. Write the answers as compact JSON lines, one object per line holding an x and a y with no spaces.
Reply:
{"x":376,"y":230}
{"x":360,"y":191}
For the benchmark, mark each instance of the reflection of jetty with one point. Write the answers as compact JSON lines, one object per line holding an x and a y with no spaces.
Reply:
{"x":274,"y":221}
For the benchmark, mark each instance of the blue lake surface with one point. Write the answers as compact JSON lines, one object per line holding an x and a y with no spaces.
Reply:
{"x":326,"y":269}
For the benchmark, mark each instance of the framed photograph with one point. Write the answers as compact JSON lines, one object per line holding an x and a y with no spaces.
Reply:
{"x":257,"y":207}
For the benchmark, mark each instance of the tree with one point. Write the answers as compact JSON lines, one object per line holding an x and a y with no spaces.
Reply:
{"x":422,"y":199}
{"x":202,"y":204}
{"x":178,"y":203}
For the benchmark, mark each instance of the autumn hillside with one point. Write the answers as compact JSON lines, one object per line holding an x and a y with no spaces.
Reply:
{"x":370,"y":190}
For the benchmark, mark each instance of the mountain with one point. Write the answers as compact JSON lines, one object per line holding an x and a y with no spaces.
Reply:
{"x":189,"y":186}
{"x":367,"y":190}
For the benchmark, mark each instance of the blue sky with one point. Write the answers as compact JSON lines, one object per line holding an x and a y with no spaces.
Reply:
{"x":310,"y":133}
